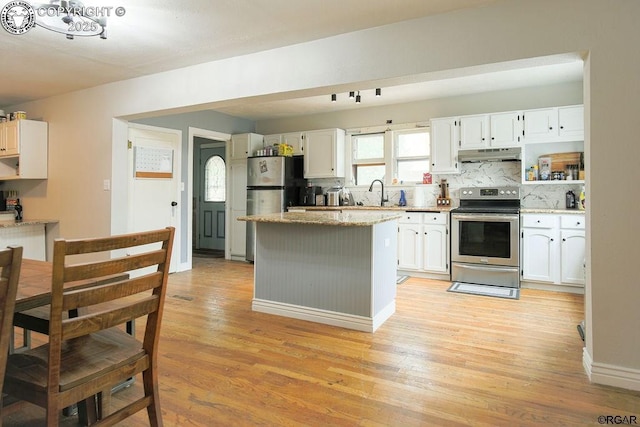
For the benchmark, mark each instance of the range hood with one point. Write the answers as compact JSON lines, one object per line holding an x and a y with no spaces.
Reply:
{"x":489,"y":155}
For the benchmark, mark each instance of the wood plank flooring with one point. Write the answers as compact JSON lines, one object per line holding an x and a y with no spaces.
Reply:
{"x":443,"y":359}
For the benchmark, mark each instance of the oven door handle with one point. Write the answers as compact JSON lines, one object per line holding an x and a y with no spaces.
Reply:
{"x":485,"y":267}
{"x":483,"y":217}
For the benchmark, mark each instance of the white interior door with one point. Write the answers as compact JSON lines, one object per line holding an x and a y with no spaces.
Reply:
{"x":154,"y":182}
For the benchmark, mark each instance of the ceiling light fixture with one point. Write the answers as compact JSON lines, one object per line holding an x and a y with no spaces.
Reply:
{"x":356,"y":95}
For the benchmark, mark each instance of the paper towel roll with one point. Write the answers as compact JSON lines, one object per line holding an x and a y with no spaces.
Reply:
{"x":419,"y":196}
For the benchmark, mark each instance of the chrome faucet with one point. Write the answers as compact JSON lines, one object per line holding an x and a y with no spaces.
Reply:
{"x":382,"y":199}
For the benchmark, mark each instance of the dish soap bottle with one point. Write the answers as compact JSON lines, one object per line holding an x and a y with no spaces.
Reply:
{"x":403,"y":199}
{"x":582,"y":201}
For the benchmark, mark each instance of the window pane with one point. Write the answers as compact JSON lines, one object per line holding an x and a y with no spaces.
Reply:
{"x":366,"y":174}
{"x":413,"y":144}
{"x":214,"y":180}
{"x":412,"y":170}
{"x":368,"y":146}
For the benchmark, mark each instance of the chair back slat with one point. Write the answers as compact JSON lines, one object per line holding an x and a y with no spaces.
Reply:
{"x":97,"y":294}
{"x":84,"y":271}
{"x":86,"y":324}
{"x":104,"y":244}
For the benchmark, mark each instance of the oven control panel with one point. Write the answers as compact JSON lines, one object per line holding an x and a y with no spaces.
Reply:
{"x":490,"y":193}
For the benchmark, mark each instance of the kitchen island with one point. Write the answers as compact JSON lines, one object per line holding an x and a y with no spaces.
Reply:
{"x":328,"y":267}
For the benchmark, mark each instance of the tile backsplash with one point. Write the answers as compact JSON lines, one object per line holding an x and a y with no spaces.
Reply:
{"x":481,"y":174}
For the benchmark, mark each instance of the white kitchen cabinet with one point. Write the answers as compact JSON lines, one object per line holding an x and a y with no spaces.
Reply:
{"x":244,"y":145}
{"x":238,"y":206}
{"x":572,"y":248}
{"x":497,"y":130}
{"x":556,"y":124}
{"x":23,"y":150}
{"x":553,"y":249}
{"x":30,"y":236}
{"x":295,"y":139}
{"x":324,"y":155}
{"x":423,"y":242}
{"x":505,"y":129}
{"x":474,"y":132}
{"x":444,"y":146}
{"x":571,"y":122}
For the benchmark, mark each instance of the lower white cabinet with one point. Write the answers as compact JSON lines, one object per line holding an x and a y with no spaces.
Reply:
{"x":423,"y":242}
{"x":553,"y":248}
{"x":30,"y":236}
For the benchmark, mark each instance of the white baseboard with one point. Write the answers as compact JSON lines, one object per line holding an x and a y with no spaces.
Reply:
{"x":359,"y":323}
{"x":552,"y":287}
{"x":424,"y":275}
{"x":611,"y":375}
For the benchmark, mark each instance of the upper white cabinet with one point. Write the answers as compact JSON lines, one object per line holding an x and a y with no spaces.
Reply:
{"x":295,"y":139}
{"x":505,"y":129}
{"x":474,"y":132}
{"x":554,"y":124}
{"x":490,"y":130}
{"x":324,"y":155}
{"x":23,"y":149}
{"x":244,"y":145}
{"x":444,"y":145}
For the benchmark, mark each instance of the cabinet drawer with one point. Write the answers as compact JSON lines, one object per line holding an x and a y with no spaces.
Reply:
{"x":575,"y":222}
{"x":539,"y":221}
{"x":410,"y":218}
{"x":434,"y":218}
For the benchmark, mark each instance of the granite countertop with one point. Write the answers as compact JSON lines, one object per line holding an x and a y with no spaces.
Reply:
{"x":344,"y":219}
{"x":551,"y":211}
{"x":6,"y":224}
{"x":377,"y":208}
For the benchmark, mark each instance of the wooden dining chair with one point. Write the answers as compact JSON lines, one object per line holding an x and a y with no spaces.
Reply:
{"x":10,"y":261}
{"x":89,"y":350}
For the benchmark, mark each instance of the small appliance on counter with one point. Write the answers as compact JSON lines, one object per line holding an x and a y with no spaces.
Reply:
{"x":309,"y":195}
{"x":333,"y":196}
{"x":346,"y":198}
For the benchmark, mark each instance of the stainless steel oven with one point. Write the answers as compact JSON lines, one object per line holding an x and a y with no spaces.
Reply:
{"x":485,"y":245}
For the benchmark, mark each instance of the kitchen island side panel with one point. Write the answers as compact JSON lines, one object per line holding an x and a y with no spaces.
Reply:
{"x":385,"y":264}
{"x":323,"y":267}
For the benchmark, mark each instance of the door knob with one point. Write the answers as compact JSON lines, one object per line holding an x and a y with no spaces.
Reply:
{"x":174,"y":203}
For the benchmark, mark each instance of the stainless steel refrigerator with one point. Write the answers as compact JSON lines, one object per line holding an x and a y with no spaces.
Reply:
{"x":273,"y":184}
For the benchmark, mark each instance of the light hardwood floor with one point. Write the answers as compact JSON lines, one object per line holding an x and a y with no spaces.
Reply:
{"x":442,"y":359}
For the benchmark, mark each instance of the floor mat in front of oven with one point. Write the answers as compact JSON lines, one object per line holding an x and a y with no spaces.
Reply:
{"x":486,"y":290}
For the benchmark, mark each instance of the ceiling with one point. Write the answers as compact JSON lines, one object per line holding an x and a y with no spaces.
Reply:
{"x":158,"y":35}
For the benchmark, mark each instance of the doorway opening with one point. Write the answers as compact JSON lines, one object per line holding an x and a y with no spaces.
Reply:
{"x":209,"y":198}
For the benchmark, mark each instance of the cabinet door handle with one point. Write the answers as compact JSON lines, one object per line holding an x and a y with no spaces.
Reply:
{"x":550,"y":127}
{"x":552,"y":240}
{"x":564,"y":240}
{"x":561,"y":127}
{"x":578,"y":223}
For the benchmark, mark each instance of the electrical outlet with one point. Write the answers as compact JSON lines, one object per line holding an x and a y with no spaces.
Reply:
{"x":106,"y":185}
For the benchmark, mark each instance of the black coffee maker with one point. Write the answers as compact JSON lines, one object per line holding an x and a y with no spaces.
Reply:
{"x":308,"y":195}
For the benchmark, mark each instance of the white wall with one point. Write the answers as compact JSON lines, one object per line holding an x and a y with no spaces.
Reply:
{"x":606,"y":31}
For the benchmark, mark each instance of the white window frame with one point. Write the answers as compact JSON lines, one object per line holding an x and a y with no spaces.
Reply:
{"x":389,"y":150}
{"x":396,"y":158}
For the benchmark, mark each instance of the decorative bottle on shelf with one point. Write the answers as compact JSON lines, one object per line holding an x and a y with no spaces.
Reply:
{"x":18,"y":210}
{"x":582,"y":201}
{"x":571,"y":200}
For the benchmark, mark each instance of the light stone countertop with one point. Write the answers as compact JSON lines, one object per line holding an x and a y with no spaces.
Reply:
{"x":24,"y":222}
{"x":343,"y":219}
{"x":551,"y":211}
{"x":376,"y":208}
